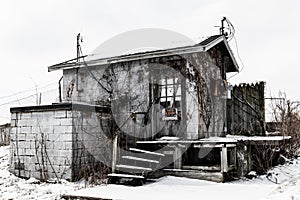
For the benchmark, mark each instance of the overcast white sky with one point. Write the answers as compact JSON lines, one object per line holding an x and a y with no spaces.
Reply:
{"x":35,"y":34}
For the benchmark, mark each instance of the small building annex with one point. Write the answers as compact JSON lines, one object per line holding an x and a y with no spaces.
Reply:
{"x":148,"y":114}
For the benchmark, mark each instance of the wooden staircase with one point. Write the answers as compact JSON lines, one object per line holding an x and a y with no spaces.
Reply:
{"x":134,"y":165}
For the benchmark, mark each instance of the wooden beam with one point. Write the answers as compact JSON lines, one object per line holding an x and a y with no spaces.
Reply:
{"x":75,"y":197}
{"x":203,"y":145}
{"x":249,"y":161}
{"x":203,"y":168}
{"x":114,"y":154}
{"x":177,"y":157}
{"x":224,"y":161}
{"x":234,"y":156}
{"x":210,"y":176}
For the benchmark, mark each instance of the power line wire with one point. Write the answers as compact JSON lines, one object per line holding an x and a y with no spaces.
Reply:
{"x":28,"y":90}
{"x":27,"y":97}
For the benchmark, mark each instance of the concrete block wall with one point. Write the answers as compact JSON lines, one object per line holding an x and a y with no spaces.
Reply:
{"x":41,"y":144}
{"x":92,"y":143}
{"x":59,"y":141}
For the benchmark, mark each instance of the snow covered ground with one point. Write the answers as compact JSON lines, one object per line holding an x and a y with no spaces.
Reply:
{"x":287,"y":187}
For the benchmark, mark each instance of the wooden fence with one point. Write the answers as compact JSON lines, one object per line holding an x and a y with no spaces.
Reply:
{"x":246,"y":110}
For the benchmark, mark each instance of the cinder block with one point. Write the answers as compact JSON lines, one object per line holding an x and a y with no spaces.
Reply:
{"x":25,"y":129}
{"x":41,"y":128}
{"x":44,"y":136}
{"x":20,"y":151}
{"x":26,"y":161}
{"x":60,"y":161}
{"x":31,"y":174}
{"x":13,"y":131}
{"x":59,"y":129}
{"x":26,"y":115}
{"x":30,"y":137}
{"x":49,"y":145}
{"x":66,"y":137}
{"x":31,"y":167}
{"x":67,"y":174}
{"x":63,"y":122}
{"x":48,"y":115}
{"x":21,"y":136}
{"x":13,"y":123}
{"x":59,"y":144}
{"x":33,"y":144}
{"x":23,"y":145}
{"x":53,"y":137}
{"x":46,"y":129}
{"x":36,"y":115}
{"x":66,"y":154}
{"x":25,"y":122}
{"x":68,"y":145}
{"x":13,"y":116}
{"x":60,"y":114}
{"x":36,"y":174}
{"x":69,"y":114}
{"x":30,"y":159}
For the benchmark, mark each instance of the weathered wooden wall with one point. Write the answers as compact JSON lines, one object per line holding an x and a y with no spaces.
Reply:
{"x":246,"y":110}
{"x":131,"y":89}
{"x":4,"y":134}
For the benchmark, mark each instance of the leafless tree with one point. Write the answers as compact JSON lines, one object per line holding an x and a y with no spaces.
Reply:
{"x":286,"y":118}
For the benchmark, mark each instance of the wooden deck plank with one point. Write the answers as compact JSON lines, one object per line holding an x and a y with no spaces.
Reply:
{"x":126,"y":176}
{"x":140,"y":159}
{"x":134,"y":167}
{"x":147,"y":152}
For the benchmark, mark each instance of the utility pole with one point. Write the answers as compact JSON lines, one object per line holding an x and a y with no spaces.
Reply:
{"x":78,"y":47}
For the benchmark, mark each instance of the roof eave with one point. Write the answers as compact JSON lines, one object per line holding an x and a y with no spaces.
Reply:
{"x":235,"y":64}
{"x":149,"y":55}
{"x":213,"y":43}
{"x":131,"y":57}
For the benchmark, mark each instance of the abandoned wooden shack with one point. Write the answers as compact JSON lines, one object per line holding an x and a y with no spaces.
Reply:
{"x":148,"y":114}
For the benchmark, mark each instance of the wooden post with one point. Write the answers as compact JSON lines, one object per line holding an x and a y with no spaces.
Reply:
{"x":183,"y":127}
{"x":114,"y":154}
{"x":177,"y":157}
{"x":224,"y":161}
{"x":234,"y":157}
{"x":249,"y":162}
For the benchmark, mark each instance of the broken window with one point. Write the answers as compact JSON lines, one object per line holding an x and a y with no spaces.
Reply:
{"x":170,"y":97}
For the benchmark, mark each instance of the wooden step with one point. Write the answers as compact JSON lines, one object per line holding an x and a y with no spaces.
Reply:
{"x":126,"y":176}
{"x":146,"y":152}
{"x":134,"y":167}
{"x":140,"y":159}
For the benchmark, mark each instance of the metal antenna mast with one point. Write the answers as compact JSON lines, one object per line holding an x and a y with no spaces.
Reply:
{"x":78,"y":47}
{"x":222,"y":32}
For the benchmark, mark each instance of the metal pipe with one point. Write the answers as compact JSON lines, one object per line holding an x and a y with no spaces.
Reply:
{"x":59,"y":89}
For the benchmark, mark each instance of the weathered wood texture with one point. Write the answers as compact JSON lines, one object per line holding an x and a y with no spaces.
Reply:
{"x":70,"y":197}
{"x":4,"y":134}
{"x":203,"y":175}
{"x":246,"y":110}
